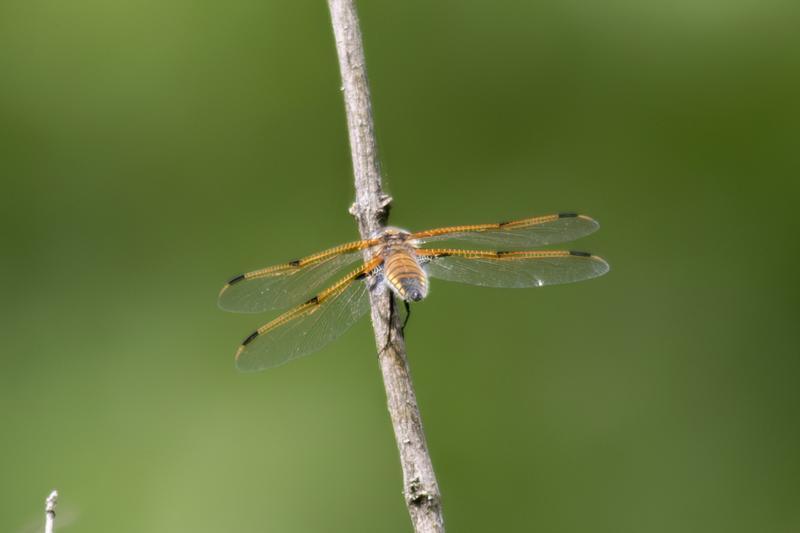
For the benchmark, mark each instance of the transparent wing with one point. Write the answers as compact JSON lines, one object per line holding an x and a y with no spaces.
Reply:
{"x":286,"y":284}
{"x":526,"y":233}
{"x":512,"y":269}
{"x":311,"y":325}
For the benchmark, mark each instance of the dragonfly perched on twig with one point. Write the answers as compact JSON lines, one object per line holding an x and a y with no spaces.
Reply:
{"x":396,"y":259}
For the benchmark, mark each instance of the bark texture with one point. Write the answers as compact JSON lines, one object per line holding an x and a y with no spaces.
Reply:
{"x":371,"y":210}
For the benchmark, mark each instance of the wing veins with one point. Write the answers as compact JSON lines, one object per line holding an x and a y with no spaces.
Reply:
{"x":310,"y":260}
{"x":516,"y":269}
{"x":318,"y":304}
{"x":287,"y":283}
{"x":523,"y":233}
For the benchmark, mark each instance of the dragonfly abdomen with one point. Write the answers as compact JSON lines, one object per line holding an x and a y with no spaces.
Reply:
{"x":405,"y":277}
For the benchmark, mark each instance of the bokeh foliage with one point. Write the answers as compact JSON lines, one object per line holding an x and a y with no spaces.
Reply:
{"x":150,"y":149}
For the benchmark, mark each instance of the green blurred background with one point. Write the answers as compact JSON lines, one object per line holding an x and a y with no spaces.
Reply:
{"x":150,"y":149}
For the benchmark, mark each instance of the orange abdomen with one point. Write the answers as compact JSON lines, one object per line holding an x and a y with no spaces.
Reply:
{"x":405,"y":276}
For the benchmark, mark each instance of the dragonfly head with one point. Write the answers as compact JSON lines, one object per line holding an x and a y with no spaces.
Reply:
{"x":392,"y":235}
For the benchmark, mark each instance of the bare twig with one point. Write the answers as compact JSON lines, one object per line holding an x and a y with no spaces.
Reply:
{"x":371,"y":209}
{"x":50,"y":511}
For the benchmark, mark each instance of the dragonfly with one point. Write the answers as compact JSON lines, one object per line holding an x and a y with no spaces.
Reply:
{"x":398,"y":260}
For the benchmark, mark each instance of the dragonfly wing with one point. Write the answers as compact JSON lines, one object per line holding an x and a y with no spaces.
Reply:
{"x":525,"y":233}
{"x":286,"y":284}
{"x":512,"y":269}
{"x":311,"y":325}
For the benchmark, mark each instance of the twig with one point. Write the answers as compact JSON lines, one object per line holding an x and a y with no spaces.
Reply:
{"x":371,"y":209}
{"x":50,"y":511}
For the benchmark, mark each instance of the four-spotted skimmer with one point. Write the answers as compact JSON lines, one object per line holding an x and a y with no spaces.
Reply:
{"x":398,"y":260}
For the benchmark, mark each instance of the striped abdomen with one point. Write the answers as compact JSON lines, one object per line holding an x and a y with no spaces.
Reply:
{"x":405,"y":276}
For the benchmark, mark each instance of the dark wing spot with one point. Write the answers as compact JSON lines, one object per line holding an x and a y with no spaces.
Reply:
{"x":295,"y":263}
{"x":501,"y":224}
{"x":444,"y":254}
{"x":250,"y":338}
{"x":236,"y":279}
{"x":361,"y":275}
{"x":313,"y":300}
{"x":580,"y":254}
{"x":501,"y":253}
{"x":567,"y":215}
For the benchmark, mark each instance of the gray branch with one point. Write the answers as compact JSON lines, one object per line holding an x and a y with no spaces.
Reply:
{"x":371,"y":210}
{"x":50,"y":512}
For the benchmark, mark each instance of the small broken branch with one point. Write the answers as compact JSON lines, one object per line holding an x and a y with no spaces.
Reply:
{"x":50,"y":512}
